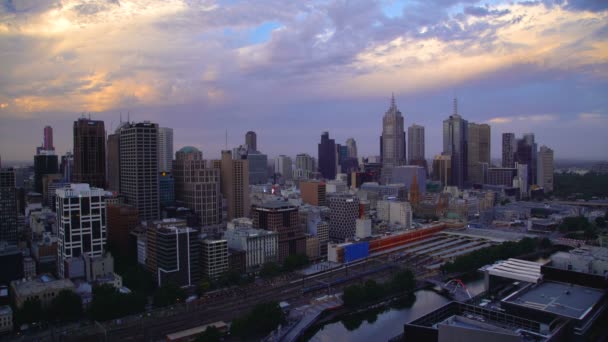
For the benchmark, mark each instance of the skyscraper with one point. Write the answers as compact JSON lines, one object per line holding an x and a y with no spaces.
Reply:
{"x":478,"y":151}
{"x":67,"y":166}
{"x":525,"y":153}
{"x":283,"y":218}
{"x":545,"y":168}
{"x":327,"y":157}
{"x":282,"y":166}
{"x":415,"y":146}
{"x":139,"y":167}
{"x":89,"y":152}
{"x":442,"y":169}
{"x":343,"y":216}
{"x":351,"y":147}
{"x":197,"y":185}
{"x":165,"y":149}
{"x":114,"y":161}
{"x":8,"y":206}
{"x":305,"y":166}
{"x":455,"y":140}
{"x":45,"y":163}
{"x":81,"y":222}
{"x":235,"y":185}
{"x":508,"y":150}
{"x":392,"y":141}
{"x":251,"y":141}
{"x":48,"y":139}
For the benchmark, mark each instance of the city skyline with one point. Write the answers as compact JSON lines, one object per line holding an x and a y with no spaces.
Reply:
{"x":291,"y":71}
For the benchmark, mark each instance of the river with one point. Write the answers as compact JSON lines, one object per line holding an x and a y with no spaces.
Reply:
{"x":384,"y":323}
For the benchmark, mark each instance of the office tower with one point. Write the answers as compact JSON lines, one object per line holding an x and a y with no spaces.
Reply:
{"x":258,"y":167}
{"x":313,"y":192}
{"x":343,"y":217}
{"x":405,"y":175}
{"x":122,"y":219}
{"x":251,"y":141}
{"x":8,"y":206}
{"x":508,"y":150}
{"x":214,"y":258}
{"x":351,"y":146}
{"x":545,"y":168}
{"x":89,"y":152}
{"x":139,"y":167}
{"x":198,"y":186}
{"x":67,"y":166}
{"x":455,"y":140}
{"x":235,"y":185}
{"x":392,"y":141}
{"x":305,"y":166}
{"x":81,"y":222}
{"x":44,"y":163}
{"x":260,"y":246}
{"x":165,"y":149}
{"x":522,"y":182}
{"x":501,"y":176}
{"x":48,"y":139}
{"x":283,"y":218}
{"x":478,"y":151}
{"x":442,"y":169}
{"x":282,"y":166}
{"x":50,"y":183}
{"x":327,"y":157}
{"x":173,"y":253}
{"x":525,"y":153}
{"x":113,"y":163}
{"x":415,"y":145}
{"x":166,"y":189}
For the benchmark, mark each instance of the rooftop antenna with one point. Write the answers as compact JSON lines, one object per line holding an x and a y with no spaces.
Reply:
{"x":393,"y":100}
{"x":455,"y":106}
{"x":129,"y":117}
{"x":226,"y":141}
{"x":121,"y":117}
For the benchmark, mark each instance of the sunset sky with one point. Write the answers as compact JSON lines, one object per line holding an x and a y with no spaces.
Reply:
{"x":292,"y":69}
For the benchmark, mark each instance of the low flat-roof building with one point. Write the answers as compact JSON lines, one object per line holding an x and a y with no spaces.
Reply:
{"x":44,"y":287}
{"x":6,"y":319}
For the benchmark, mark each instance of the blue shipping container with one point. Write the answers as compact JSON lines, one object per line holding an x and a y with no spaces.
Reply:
{"x":356,"y":251}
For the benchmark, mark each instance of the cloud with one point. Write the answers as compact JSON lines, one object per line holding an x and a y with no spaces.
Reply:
{"x":591,"y":116}
{"x":523,"y":118}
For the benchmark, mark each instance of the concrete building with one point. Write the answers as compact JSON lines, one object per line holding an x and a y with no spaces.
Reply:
{"x":364,"y":228}
{"x":455,"y":145}
{"x":45,"y":163}
{"x":165,"y":149}
{"x":442,"y":169}
{"x":113,"y":161}
{"x":166,"y":189}
{"x":251,"y":141}
{"x":283,"y":218}
{"x":283,"y":166}
{"x":98,"y":267}
{"x":305,"y":166}
{"x":44,"y":287}
{"x":89,"y":152}
{"x":392,"y":141}
{"x":122,"y":219}
{"x":405,"y":175}
{"x":343,"y":217}
{"x":526,"y":153}
{"x":313,"y":250}
{"x":501,"y":176}
{"x":8,"y":206}
{"x":260,"y":246}
{"x":508,"y":150}
{"x":235,"y":185}
{"x":11,"y":259}
{"x":258,"y":167}
{"x":29,"y":267}
{"x":66,"y":168}
{"x":415,"y":145}
{"x":139,"y":168}
{"x":478,"y":151}
{"x":327,"y":157}
{"x":48,"y":139}
{"x":313,"y":192}
{"x":214,"y":258}
{"x":81,"y":223}
{"x":545,"y":168}
{"x":6,"y":319}
{"x":395,"y":212}
{"x":587,"y":259}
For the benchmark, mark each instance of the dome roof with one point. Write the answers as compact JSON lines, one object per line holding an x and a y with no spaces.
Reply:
{"x":189,"y":149}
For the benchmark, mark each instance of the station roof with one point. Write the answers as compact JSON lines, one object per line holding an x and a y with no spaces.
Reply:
{"x":517,"y":269}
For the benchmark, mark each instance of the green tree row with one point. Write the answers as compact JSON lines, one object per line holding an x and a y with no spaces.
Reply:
{"x":262,"y":319}
{"x":402,"y":282}
{"x":489,"y":255}
{"x":290,"y":264}
{"x":586,"y":186}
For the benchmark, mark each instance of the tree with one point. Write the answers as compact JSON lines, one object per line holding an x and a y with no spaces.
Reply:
{"x":211,"y":334}
{"x":600,"y":222}
{"x":109,"y":304}
{"x":269,"y":270}
{"x":202,"y":287}
{"x":67,"y":306}
{"x":294,"y":262}
{"x":262,"y":319}
{"x":168,"y":294}
{"x":30,"y":312}
{"x":403,"y":281}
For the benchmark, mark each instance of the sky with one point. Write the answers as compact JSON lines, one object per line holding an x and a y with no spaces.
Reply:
{"x":290,"y":70}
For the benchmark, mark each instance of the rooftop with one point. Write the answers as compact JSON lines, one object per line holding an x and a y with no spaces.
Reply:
{"x":5,"y":310}
{"x":25,"y":288}
{"x":516,"y":269}
{"x":566,"y":300}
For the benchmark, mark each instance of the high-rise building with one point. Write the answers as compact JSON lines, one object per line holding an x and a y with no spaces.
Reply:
{"x":66,"y":167}
{"x":45,"y":163}
{"x":545,"y":168}
{"x":305,"y":166}
{"x":395,"y":212}
{"x":122,"y":219}
{"x":343,"y":216}
{"x":258,"y":167}
{"x":282,"y":166}
{"x":478,"y":151}
{"x":81,"y":222}
{"x":113,"y":161}
{"x":508,"y":150}
{"x":166,"y":189}
{"x":139,"y":168}
{"x":197,"y":185}
{"x":442,"y":169}
{"x":165,"y":149}
{"x":392,"y":141}
{"x":89,"y":152}
{"x":313,"y":192}
{"x":501,"y":176}
{"x":8,"y":206}
{"x":251,"y":141}
{"x":415,"y":145}
{"x":327,"y":157}
{"x":281,"y":217}
{"x":235,"y":185}
{"x":48,"y":139}
{"x":405,"y":175}
{"x":214,"y":258}
{"x":351,"y":147}
{"x":525,"y":153}
{"x":455,"y":140}
{"x":260,"y":246}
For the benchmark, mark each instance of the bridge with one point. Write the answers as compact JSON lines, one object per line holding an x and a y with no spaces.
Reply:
{"x":455,"y":288}
{"x":584,"y":204}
